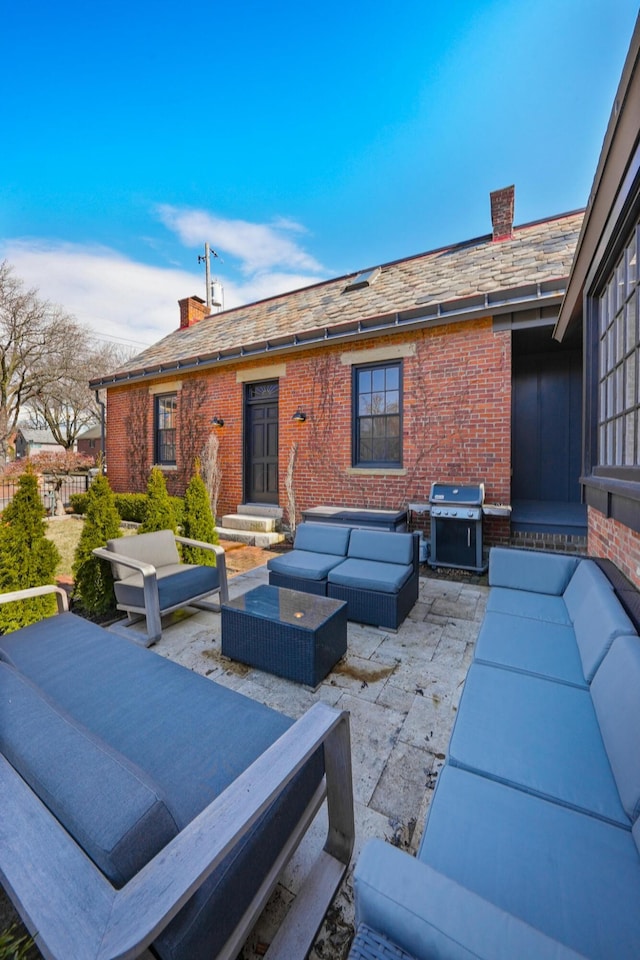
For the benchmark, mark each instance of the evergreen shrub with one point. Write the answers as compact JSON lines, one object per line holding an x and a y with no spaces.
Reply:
{"x":93,"y":580}
{"x":198,"y":522}
{"x":27,"y":557}
{"x":160,"y":514}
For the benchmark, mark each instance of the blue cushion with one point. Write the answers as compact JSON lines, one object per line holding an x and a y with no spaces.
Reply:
{"x":530,"y":570}
{"x":387,"y":547}
{"x":588,"y":577}
{"x":522,"y":603}
{"x":371,"y":574}
{"x":110,"y":807}
{"x":572,"y":876}
{"x":177,"y":583}
{"x":537,"y":735}
{"x":322,"y":538}
{"x":597,"y":621}
{"x":429,"y":915}
{"x":616,"y":696}
{"x":543,"y":649}
{"x":304,"y":564}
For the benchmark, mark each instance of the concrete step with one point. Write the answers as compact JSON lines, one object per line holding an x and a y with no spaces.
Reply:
{"x":260,"y":510}
{"x":250,"y":537}
{"x":254,"y":524}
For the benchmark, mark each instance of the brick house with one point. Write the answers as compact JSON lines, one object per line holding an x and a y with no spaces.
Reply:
{"x":89,"y":442}
{"x":439,"y":366}
{"x":603,"y":300}
{"x":31,"y":440}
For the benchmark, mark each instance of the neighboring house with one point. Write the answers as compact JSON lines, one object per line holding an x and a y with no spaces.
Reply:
{"x":29,"y":440}
{"x":89,"y":443}
{"x":436,"y":367}
{"x":603,"y":299}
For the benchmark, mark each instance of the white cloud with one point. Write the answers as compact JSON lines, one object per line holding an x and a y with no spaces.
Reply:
{"x":258,"y":246}
{"x":106,"y":291}
{"x":119,"y":298}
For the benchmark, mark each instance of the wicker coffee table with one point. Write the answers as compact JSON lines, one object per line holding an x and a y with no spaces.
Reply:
{"x":291,"y":634}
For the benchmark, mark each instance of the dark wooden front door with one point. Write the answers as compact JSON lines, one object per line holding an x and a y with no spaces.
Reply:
{"x":261,"y":457}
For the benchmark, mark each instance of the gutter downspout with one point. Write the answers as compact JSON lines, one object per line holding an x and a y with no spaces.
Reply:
{"x":103,"y":452}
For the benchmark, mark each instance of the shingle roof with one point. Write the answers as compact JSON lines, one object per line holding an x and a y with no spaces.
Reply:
{"x":33,"y":435}
{"x":536,"y":253}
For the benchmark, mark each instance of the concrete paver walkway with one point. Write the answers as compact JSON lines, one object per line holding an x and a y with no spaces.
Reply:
{"x":402,"y":691}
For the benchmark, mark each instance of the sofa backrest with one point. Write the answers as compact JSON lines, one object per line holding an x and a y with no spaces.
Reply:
{"x":110,"y":807}
{"x":616,"y":697}
{"x":531,"y":570}
{"x":157,"y":548}
{"x":322,"y":538}
{"x":588,"y":576}
{"x":382,"y":546}
{"x":598,"y":618}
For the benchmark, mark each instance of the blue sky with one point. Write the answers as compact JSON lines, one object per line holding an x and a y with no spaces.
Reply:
{"x":302,"y":141}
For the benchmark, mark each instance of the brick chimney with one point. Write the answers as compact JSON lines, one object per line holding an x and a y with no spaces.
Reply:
{"x":192,"y":309}
{"x":502,"y":206}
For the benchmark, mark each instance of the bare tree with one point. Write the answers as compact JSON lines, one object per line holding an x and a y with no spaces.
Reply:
{"x":212,"y":470}
{"x":67,"y":405}
{"x":25,"y":324}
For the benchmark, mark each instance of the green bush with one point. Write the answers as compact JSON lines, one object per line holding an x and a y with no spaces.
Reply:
{"x":78,"y":502}
{"x":132,"y":507}
{"x":159,"y":514}
{"x":27,"y":557}
{"x":198,"y":522}
{"x":92,"y":576}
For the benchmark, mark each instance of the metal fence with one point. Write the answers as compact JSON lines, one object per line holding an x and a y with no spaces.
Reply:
{"x":76,"y":483}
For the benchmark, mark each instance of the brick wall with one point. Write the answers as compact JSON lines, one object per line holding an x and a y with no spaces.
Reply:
{"x":610,"y":539}
{"x":456,"y":422}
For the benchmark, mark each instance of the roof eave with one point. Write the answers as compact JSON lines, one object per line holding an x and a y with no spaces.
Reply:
{"x":494,"y":303}
{"x":620,"y":143}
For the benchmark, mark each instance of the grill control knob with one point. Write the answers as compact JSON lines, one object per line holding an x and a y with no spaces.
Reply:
{"x":470,"y":514}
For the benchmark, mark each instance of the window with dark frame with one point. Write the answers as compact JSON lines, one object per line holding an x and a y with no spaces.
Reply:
{"x":165,"y":428}
{"x":618,"y":404}
{"x":377,"y":419}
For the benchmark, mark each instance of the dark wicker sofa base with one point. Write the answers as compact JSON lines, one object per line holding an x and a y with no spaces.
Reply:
{"x":374,"y":607}
{"x":318,"y":587}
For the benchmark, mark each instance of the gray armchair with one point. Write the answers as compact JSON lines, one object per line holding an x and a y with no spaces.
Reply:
{"x":150,"y":581}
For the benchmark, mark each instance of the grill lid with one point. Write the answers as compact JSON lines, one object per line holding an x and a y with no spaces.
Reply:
{"x":471,"y":494}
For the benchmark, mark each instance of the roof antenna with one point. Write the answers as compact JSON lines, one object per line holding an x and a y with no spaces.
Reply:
{"x":208,"y":253}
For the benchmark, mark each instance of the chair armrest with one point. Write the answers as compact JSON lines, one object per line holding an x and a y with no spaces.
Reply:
{"x":118,"y":924}
{"x":28,"y":592}
{"x":146,"y":569}
{"x":430,"y":915}
{"x":221,"y":562}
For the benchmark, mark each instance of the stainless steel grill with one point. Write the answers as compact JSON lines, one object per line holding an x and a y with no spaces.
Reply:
{"x":456,"y":526}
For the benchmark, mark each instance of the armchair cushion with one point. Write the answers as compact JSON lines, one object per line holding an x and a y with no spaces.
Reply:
{"x":525,"y":603}
{"x":379,"y":546}
{"x":521,"y":644}
{"x":157,"y":548}
{"x":109,"y":805}
{"x":530,"y":570}
{"x":177,"y":584}
{"x":304,"y":564}
{"x":322,"y":538}
{"x":371,"y":574}
{"x":577,"y":877}
{"x":537,"y":735}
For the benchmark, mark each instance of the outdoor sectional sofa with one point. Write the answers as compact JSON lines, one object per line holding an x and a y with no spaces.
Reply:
{"x":145,"y":804}
{"x":377,"y":573}
{"x":531,"y":845}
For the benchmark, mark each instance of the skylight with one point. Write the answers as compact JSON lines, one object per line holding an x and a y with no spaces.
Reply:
{"x":364,"y":279}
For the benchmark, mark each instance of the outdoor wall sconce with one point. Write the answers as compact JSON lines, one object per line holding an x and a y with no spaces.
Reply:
{"x":299,"y":416}
{"x":218,"y":422}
